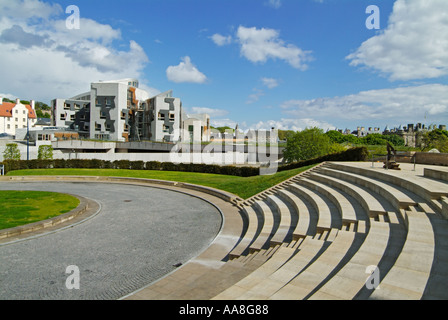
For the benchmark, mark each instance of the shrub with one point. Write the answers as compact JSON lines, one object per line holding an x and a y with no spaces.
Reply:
{"x":11,"y":152}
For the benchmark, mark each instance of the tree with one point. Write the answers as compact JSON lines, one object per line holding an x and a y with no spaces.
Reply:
{"x":45,"y":153}
{"x":374,"y":139}
{"x":284,"y":134}
{"x":307,"y":144}
{"x":394,"y":139}
{"x":436,"y":139}
{"x":11,"y":152}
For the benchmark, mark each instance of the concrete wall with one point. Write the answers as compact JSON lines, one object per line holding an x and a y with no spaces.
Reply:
{"x":439,"y":159}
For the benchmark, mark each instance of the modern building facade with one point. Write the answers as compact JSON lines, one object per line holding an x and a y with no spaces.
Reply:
{"x":15,"y":116}
{"x":119,"y":111}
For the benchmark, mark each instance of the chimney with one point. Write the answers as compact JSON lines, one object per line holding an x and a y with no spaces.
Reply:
{"x":1,"y":99}
{"x":32,"y":103}
{"x":17,"y":101}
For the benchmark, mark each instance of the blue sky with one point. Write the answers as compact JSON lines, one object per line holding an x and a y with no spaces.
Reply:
{"x":288,"y":64}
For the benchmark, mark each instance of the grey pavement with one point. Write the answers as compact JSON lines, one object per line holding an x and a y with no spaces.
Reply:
{"x":139,"y":236}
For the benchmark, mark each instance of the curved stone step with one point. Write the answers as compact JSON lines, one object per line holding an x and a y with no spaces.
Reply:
{"x":283,"y":231}
{"x":316,"y":273}
{"x":282,"y":255}
{"x":408,"y":277}
{"x":396,"y":197}
{"x":309,"y":250}
{"x":304,"y":224}
{"x":267,"y":228}
{"x":351,"y":278}
{"x":373,"y":206}
{"x":249,"y":235}
{"x":406,"y":179}
{"x":346,"y":208}
{"x":324,"y":221}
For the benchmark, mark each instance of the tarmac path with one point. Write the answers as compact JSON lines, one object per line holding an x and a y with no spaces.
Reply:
{"x":138,"y":236}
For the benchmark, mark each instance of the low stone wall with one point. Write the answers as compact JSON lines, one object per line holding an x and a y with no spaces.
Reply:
{"x":438,"y":159}
{"x":84,"y":205}
{"x":436,"y":174}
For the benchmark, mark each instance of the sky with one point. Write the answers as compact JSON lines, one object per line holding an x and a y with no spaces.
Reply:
{"x":287,"y":64}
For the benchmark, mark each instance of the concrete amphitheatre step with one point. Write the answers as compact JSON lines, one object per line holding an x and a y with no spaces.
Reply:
{"x":321,"y":206}
{"x":408,"y":277}
{"x":284,"y":214}
{"x":351,"y":278}
{"x":398,"y":198}
{"x":346,"y":208}
{"x":267,"y":226}
{"x":314,"y":236}
{"x":316,"y":273}
{"x":304,"y":225}
{"x":425,"y":188}
{"x":250,"y":234}
{"x":374,"y":205}
{"x":308,"y":251}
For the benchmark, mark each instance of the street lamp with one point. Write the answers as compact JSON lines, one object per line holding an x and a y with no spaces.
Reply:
{"x":27,"y":136}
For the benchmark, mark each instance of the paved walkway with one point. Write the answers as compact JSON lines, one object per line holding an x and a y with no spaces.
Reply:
{"x":139,"y":236}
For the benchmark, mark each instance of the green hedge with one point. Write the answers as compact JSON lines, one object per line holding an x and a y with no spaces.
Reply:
{"x":354,"y":154}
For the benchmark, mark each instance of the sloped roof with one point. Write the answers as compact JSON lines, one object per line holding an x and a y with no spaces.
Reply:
{"x":6,"y":110}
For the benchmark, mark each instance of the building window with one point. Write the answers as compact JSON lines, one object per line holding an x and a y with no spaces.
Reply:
{"x":17,"y":111}
{"x":9,"y":126}
{"x":123,"y":115}
{"x":102,"y":115}
{"x":72,"y":117}
{"x":23,"y":120}
{"x":107,"y":127}
{"x":66,"y":106}
{"x":165,"y":128}
{"x":62,"y":117}
{"x":24,"y":112}
{"x":77,"y":106}
{"x":108,"y":101}
{"x":126,"y":128}
{"x":161,"y":116}
{"x":172,"y":116}
{"x":97,"y":126}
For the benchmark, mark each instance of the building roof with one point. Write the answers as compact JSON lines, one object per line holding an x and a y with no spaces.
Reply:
{"x":6,"y":110}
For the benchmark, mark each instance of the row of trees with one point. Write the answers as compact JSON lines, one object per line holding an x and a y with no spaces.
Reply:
{"x":313,"y":142}
{"x":12,"y":152}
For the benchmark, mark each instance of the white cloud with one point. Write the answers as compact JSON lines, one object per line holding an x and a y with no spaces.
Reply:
{"x":45,"y":60}
{"x":225,"y":122}
{"x":210,"y":111}
{"x":185,"y":72}
{"x":274,"y":3}
{"x":259,"y":45}
{"x":221,"y":40}
{"x":413,"y":46}
{"x":271,"y":83}
{"x":293,"y":124}
{"x":255,"y":96}
{"x":398,"y":105}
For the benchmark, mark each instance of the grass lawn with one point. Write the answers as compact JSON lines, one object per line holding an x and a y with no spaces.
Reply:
{"x":240,"y":186}
{"x":22,"y":207}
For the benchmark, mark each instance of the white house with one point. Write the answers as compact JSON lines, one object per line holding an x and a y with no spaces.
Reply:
{"x":16,"y":116}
